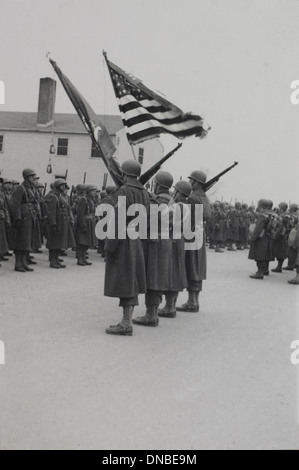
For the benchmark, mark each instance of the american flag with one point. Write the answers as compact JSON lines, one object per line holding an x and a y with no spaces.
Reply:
{"x":146,"y":114}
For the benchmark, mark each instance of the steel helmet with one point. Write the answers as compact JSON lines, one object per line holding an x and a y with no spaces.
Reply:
{"x":90,"y":187}
{"x":263,"y":203}
{"x":59,"y":182}
{"x":111,"y":189}
{"x":164,"y":179}
{"x":198,"y":176}
{"x":294,"y":207}
{"x":28,"y":172}
{"x":131,"y":168}
{"x":184,"y":187}
{"x":284,"y":206}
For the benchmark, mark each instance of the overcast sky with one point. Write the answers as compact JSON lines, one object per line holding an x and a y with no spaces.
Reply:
{"x":231,"y":61}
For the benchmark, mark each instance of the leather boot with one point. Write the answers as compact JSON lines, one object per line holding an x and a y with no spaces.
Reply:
{"x":260,"y":272}
{"x":80,"y":261}
{"x":58,"y":260}
{"x":278,"y":269}
{"x":29,"y":259}
{"x":169,"y":311}
{"x":191,"y":305}
{"x":295,"y":281}
{"x":54,"y":264}
{"x":18,"y":264}
{"x":125,"y":328}
{"x":150,"y":318}
{"x":24,"y":263}
{"x":87,"y":263}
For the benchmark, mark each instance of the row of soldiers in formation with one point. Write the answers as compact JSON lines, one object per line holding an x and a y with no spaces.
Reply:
{"x":134,"y":267}
{"x":275,"y":236}
{"x":232,"y":228}
{"x":28,"y":217}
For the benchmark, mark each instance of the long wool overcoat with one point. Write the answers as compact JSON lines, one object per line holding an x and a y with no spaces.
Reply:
{"x":58,"y":215}
{"x":125,"y":275}
{"x":196,"y":260}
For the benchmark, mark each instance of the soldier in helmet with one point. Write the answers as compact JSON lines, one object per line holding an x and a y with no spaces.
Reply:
{"x":24,"y":219}
{"x":196,"y":260}
{"x":233,"y":227}
{"x":5,"y":194}
{"x":292,"y":253}
{"x":158,"y":254}
{"x":295,"y":281}
{"x":60,"y":235}
{"x":3,"y":239}
{"x":281,"y":234}
{"x":125,"y":276}
{"x":178,"y":280}
{"x":86,"y":222}
{"x":217,"y":222}
{"x":261,"y":242}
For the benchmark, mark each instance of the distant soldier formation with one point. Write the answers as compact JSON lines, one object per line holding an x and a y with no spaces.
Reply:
{"x":63,"y":220}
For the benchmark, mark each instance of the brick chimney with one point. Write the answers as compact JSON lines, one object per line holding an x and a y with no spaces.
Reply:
{"x":46,"y":102}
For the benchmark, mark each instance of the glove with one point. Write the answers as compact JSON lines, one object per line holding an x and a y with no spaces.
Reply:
{"x":18,"y":224}
{"x":53,"y":229}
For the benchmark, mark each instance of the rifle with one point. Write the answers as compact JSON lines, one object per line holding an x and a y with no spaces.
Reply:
{"x":71,"y":195}
{"x":155,"y":168}
{"x":208,"y":185}
{"x":105,"y":180}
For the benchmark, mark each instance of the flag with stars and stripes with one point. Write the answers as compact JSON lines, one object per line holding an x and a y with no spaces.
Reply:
{"x":93,"y":125}
{"x":146,"y":114}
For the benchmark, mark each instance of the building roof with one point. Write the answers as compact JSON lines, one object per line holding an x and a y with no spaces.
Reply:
{"x":63,"y":123}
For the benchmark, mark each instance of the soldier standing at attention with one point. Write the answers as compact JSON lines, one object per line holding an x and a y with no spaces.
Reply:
{"x":218,"y":223}
{"x":24,"y":218}
{"x":60,"y":236}
{"x":261,"y":243}
{"x":158,"y":255}
{"x":3,"y":239}
{"x":178,"y":281}
{"x":281,"y":235}
{"x":86,"y":222}
{"x":125,"y":276}
{"x":6,"y":196}
{"x":295,"y":281}
{"x":196,"y":260}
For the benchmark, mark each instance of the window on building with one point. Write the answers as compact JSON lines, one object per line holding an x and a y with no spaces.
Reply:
{"x":62,"y":147}
{"x":95,"y":151}
{"x":1,"y":143}
{"x":141,"y":155}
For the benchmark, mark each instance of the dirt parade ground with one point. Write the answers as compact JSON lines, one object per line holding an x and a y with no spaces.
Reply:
{"x":220,"y":379}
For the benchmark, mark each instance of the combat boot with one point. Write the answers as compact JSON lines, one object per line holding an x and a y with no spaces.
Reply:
{"x":84,"y":256}
{"x":278,"y":269}
{"x":54,"y":264}
{"x":260,"y":271}
{"x":295,"y":281}
{"x":80,"y":261}
{"x":191,"y":305}
{"x":24,"y":263}
{"x":18,"y":264}
{"x":125,"y":328}
{"x":58,"y":260}
{"x":169,"y":311}
{"x":150,"y":318}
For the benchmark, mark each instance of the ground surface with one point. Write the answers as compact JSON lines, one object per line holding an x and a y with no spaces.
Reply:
{"x":221,"y":379}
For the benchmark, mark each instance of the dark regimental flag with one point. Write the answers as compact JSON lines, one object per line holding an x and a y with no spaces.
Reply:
{"x":146,"y":114}
{"x":94,"y":127}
